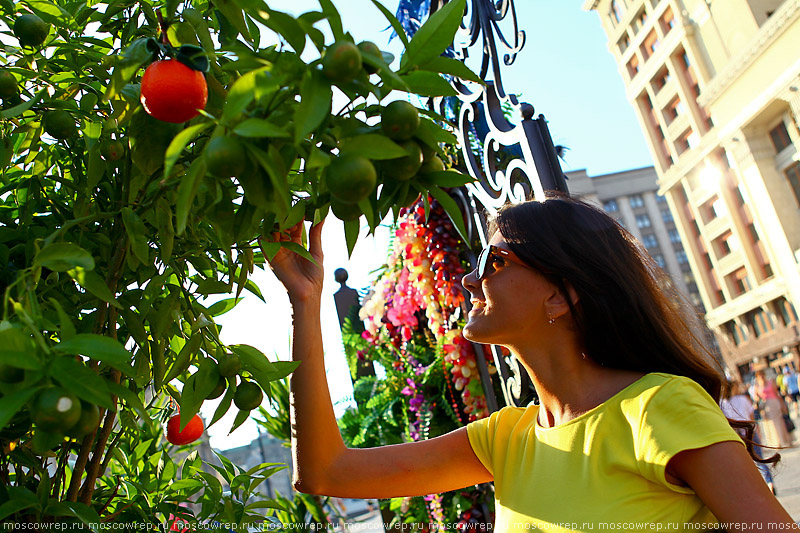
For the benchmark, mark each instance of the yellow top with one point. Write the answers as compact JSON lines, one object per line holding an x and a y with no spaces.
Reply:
{"x":604,"y":469}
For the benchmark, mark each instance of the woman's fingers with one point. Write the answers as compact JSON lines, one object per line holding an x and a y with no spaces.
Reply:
{"x":315,"y":240}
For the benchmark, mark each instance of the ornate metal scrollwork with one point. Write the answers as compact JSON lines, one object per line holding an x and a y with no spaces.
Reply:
{"x":507,"y":150}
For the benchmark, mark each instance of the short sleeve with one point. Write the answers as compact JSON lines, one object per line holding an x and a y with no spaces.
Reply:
{"x":487,"y":434}
{"x":680,"y":416}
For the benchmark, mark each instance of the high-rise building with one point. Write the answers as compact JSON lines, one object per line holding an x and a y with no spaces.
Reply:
{"x":630,"y":197}
{"x":716,"y":87}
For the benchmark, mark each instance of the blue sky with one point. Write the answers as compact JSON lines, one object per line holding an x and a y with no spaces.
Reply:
{"x":565,"y":71}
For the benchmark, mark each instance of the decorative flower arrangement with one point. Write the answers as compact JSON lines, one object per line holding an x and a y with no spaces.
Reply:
{"x":413,"y":320}
{"x":424,"y":275}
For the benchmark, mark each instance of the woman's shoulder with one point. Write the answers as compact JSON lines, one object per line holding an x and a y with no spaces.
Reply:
{"x":659,"y":389}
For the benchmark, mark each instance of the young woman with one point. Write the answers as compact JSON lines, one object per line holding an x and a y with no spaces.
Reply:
{"x":773,"y":407}
{"x":628,"y":433}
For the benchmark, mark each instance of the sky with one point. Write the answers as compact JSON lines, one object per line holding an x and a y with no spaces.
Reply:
{"x":565,"y":71}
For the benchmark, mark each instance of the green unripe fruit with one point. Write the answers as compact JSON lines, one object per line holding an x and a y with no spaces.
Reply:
{"x":341,"y":62}
{"x":351,"y":178}
{"x":248,"y":396}
{"x":368,"y":48}
{"x":399,"y":120}
{"x":434,"y":164}
{"x":405,"y":168}
{"x":112,"y":150}
{"x":220,"y":388}
{"x":59,"y":124}
{"x":8,"y":84}
{"x":225,"y":157}
{"x":89,"y":420}
{"x":55,"y":409}
{"x":31,"y":30}
{"x":344,"y":211}
{"x":228,"y":365}
{"x":88,"y":101}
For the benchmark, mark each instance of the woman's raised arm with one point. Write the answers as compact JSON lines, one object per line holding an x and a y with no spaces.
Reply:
{"x":322,"y":463}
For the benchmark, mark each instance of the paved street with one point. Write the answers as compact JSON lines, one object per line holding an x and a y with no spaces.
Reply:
{"x":787,"y":481}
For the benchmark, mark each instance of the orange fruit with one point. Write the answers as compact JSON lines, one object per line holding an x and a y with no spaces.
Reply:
{"x":341,"y":62}
{"x":55,"y":410}
{"x":31,"y":30}
{"x":351,"y":178}
{"x":405,"y":168}
{"x":248,"y":396}
{"x":225,"y":157}
{"x":192,"y":431}
{"x":173,"y":92}
{"x":59,"y":124}
{"x":399,"y":120}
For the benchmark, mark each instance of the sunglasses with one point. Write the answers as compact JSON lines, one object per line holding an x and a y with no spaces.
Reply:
{"x":487,"y":257}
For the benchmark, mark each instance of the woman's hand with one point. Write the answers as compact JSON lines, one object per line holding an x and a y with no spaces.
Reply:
{"x":301,"y":277}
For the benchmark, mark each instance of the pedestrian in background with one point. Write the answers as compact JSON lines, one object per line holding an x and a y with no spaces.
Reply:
{"x":772,"y":409}
{"x":736,"y":404}
{"x":792,"y":388}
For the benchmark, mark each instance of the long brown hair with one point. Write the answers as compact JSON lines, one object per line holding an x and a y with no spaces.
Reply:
{"x":629,"y":315}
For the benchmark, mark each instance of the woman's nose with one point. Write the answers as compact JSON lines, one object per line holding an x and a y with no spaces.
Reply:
{"x":470,"y":281}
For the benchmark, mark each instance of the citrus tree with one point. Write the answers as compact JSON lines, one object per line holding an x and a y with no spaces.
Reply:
{"x":145,"y":147}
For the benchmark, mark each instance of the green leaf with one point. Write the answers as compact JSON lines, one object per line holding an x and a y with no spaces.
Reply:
{"x":451,"y":208}
{"x":334,"y":19}
{"x":196,"y":389}
{"x":62,"y":256}
{"x":99,"y":348}
{"x":187,"y":190}
{"x":223,"y":406}
{"x":223,"y":306}
{"x":263,"y":370}
{"x":434,"y":36}
{"x":93,"y":283}
{"x":258,"y":127}
{"x":253,"y":85}
{"x":11,"y":404}
{"x":185,"y":356}
{"x":372,"y":146}
{"x":315,"y":103}
{"x":81,"y":380}
{"x":396,"y":26}
{"x":139,"y":52}
{"x":19,"y":109}
{"x":286,"y":26}
{"x":351,"y":230}
{"x":432,"y":134}
{"x":130,"y":397}
{"x":82,"y":512}
{"x":426,"y":83}
{"x":137,"y":235}
{"x":241,"y":418}
{"x":454,"y":67}
{"x":179,"y":143}
{"x":235,"y":16}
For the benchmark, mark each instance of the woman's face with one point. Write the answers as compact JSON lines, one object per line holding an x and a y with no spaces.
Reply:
{"x":508,"y":303}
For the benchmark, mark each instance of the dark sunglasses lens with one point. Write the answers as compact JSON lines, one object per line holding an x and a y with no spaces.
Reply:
{"x":483,"y":259}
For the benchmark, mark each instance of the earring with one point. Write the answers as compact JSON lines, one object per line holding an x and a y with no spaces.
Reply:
{"x":551,"y":320}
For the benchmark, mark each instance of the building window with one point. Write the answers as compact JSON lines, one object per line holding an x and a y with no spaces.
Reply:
{"x":685,"y":59}
{"x":643,"y":221}
{"x":667,"y":20}
{"x":650,"y":44}
{"x":649,"y":241}
{"x":659,"y":259}
{"x":780,"y":137}
{"x":624,"y":43}
{"x":617,"y":11}
{"x":682,"y":143}
{"x":739,"y":282}
{"x":793,"y":175}
{"x":674,"y":236}
{"x":661,"y":199}
{"x":753,"y":232}
{"x":682,"y":257}
{"x":666,"y":216}
{"x":611,"y":206}
{"x":673,"y":110}
{"x":786,"y":311}
{"x":733,"y":332}
{"x":636,"y":200}
{"x":633,"y":66}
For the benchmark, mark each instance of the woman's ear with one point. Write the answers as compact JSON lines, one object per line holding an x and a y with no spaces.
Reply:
{"x":557,"y":304}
